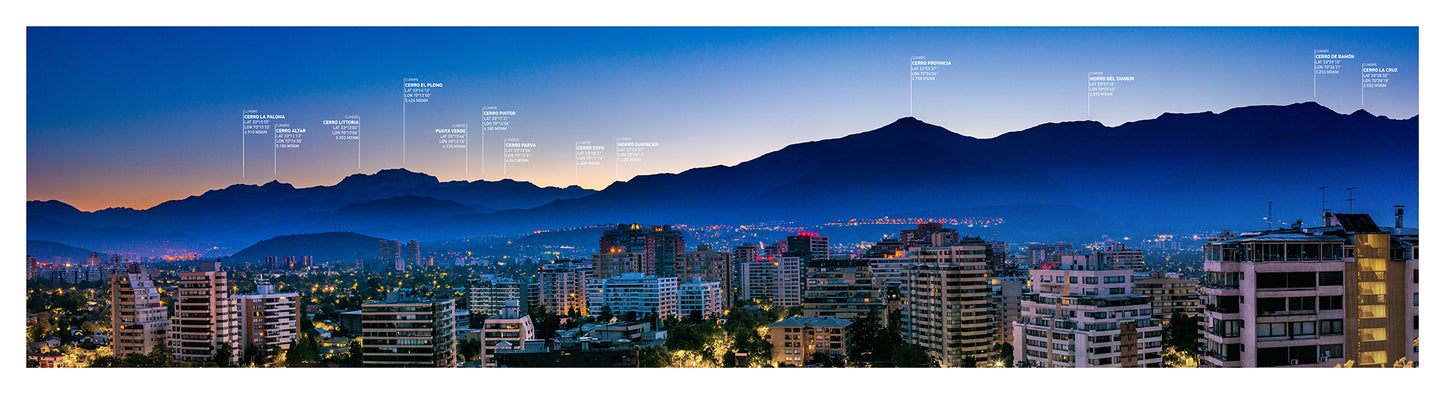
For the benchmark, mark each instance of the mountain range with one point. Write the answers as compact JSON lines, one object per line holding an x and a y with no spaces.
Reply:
{"x":243,"y":214}
{"x":322,"y":247}
{"x":1176,"y":172}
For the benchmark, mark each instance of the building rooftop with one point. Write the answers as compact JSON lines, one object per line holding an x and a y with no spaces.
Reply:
{"x":812,"y":321}
{"x":1357,"y":222}
{"x":1279,"y":235}
{"x":405,"y":296}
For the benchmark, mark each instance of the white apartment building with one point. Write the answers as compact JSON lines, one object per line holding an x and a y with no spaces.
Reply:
{"x":267,"y":318}
{"x":777,"y":279}
{"x":1312,"y":297}
{"x":1082,"y":315}
{"x":946,"y":306}
{"x":696,"y":295}
{"x":507,"y":330}
{"x":137,"y":318}
{"x":634,"y":292}
{"x":488,"y":294}
{"x":206,"y":319}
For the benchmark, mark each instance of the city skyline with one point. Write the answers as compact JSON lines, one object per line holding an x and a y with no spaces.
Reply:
{"x":705,"y":96}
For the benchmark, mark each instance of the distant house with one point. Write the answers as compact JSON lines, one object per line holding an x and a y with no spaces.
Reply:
{"x":46,"y":360}
{"x":796,"y":339}
{"x":351,"y":322}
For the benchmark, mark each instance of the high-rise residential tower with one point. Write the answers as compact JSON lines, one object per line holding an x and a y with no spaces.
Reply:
{"x":137,"y":318}
{"x":206,"y":321}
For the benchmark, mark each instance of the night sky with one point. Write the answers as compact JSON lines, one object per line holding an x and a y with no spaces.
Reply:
{"x":136,"y":116}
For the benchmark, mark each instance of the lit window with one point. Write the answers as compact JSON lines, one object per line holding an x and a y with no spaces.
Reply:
{"x":1372,"y":334}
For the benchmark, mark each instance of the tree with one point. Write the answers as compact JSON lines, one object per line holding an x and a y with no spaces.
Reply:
{"x":913,"y":356}
{"x":305,"y":350}
{"x":654,"y":357}
{"x":252,"y":356}
{"x":1003,"y":355}
{"x":39,"y":331}
{"x":1182,"y":333}
{"x":277,"y":360}
{"x":606,"y":313}
{"x":222,"y":357}
{"x":828,"y":360}
{"x":1175,"y":358}
{"x":354,"y":353}
{"x":871,"y":342}
{"x":160,"y":356}
{"x":471,"y":349}
{"x":89,"y":327}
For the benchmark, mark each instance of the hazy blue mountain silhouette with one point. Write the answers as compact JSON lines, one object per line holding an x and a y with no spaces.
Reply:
{"x":329,"y":247}
{"x":55,"y":252}
{"x":1177,"y":172}
{"x":240,"y":214}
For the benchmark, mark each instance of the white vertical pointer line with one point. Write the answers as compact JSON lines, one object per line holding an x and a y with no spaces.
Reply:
{"x":467,"y":152}
{"x":403,"y":121}
{"x":485,"y":122}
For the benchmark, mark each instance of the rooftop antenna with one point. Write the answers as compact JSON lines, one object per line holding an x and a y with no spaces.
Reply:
{"x":1268,"y":215}
{"x":1351,"y":190}
{"x":1324,"y":212}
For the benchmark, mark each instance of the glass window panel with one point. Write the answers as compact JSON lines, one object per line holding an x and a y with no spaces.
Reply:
{"x":1372,"y":311}
{"x":1372,"y":334}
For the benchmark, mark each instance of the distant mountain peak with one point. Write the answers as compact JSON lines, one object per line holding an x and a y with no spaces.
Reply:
{"x":1307,"y":107}
{"x":909,"y":126}
{"x":1362,"y":112}
{"x":387,"y":176}
{"x":277,"y":185}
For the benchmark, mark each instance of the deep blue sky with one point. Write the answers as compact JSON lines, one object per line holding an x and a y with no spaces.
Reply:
{"x":136,"y":116}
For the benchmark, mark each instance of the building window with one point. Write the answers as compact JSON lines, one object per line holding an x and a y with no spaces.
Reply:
{"x":1116,"y":290}
{"x":1371,"y":334}
{"x":1230,"y":328}
{"x":1285,"y":280}
{"x":1331,"y":351}
{"x":1371,"y":311}
{"x":1370,"y":358}
{"x":1304,"y":328}
{"x":1302,"y":304}
{"x":1264,"y":330}
{"x":1332,"y":278}
{"x":1270,"y":306}
{"x":1332,"y":327}
{"x":1332,"y":302}
{"x":1093,"y":280}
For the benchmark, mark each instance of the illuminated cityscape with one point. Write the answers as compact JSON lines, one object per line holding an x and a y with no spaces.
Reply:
{"x":1142,"y":228}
